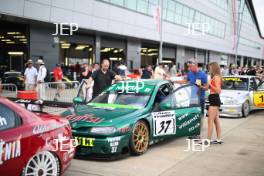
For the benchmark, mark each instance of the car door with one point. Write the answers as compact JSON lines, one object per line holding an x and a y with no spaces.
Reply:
{"x":258,"y":95}
{"x":179,"y":114}
{"x":13,"y":144}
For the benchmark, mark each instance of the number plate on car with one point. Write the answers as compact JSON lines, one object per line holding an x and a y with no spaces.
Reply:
{"x":86,"y":142}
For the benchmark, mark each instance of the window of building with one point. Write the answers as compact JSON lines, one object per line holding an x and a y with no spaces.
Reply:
{"x":223,"y":4}
{"x":142,"y":6}
{"x":176,"y":12}
{"x":131,"y":4}
{"x":118,"y":2}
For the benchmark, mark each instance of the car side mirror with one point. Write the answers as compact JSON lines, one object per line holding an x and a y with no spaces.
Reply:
{"x":165,"y":105}
{"x":260,"y":86}
{"x":78,"y":100}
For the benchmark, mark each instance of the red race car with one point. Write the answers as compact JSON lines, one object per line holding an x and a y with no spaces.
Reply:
{"x":33,"y":144}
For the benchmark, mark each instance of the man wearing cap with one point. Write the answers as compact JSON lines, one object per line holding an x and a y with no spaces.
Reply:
{"x":30,"y":76}
{"x":42,"y":73}
{"x":198,"y":77}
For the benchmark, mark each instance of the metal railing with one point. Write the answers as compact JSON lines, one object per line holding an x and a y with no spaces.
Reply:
{"x":58,"y":91}
{"x":8,"y":90}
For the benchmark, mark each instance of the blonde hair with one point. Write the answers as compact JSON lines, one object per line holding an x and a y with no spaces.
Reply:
{"x":215,"y":69}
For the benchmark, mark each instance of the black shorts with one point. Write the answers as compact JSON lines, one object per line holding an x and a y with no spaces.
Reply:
{"x":214,"y":100}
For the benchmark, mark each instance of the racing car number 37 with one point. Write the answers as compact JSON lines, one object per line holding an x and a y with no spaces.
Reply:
{"x":164,"y":123}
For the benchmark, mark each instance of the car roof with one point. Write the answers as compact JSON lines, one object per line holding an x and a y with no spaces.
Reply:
{"x":150,"y":82}
{"x":239,"y":76}
{"x":12,"y":72}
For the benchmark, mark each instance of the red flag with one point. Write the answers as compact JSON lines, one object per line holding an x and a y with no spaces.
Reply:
{"x":157,"y":17}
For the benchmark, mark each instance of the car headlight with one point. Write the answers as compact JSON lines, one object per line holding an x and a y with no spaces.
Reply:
{"x":103,"y":130}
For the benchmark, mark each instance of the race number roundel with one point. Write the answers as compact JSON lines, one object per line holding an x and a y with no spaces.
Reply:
{"x":259,"y":99}
{"x":164,"y":123}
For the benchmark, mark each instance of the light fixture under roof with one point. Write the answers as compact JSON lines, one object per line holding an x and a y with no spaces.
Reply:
{"x":10,"y":42}
{"x":167,"y":61}
{"x":113,"y":58}
{"x":65,"y":45}
{"x":19,"y":36}
{"x":150,"y":50}
{"x":5,"y":40}
{"x":106,"y":50}
{"x":1,"y":37}
{"x":18,"y":53}
{"x":23,"y":40}
{"x":13,"y":33}
{"x":81,"y":47}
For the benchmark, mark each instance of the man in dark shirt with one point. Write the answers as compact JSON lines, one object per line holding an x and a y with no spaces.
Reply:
{"x":102,"y":78}
{"x":251,"y":71}
{"x":147,"y":73}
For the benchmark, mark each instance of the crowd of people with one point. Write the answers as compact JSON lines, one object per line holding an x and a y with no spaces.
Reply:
{"x":252,"y":70}
{"x":100,"y":76}
{"x":149,"y":72}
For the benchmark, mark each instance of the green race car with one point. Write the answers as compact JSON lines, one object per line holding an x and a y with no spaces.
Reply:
{"x":129,"y":116}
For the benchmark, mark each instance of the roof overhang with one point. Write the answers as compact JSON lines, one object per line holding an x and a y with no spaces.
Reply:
{"x":252,"y":9}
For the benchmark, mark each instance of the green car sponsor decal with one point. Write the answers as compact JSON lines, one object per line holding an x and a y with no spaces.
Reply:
{"x":104,"y":105}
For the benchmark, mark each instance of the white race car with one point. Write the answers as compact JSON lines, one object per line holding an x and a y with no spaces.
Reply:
{"x":240,"y":95}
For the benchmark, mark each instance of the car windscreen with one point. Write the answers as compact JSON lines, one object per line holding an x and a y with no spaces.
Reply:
{"x":235,"y":83}
{"x":121,"y":100}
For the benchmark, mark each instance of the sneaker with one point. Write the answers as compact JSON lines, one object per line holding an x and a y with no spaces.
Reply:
{"x":205,"y":142}
{"x":217,"y":141}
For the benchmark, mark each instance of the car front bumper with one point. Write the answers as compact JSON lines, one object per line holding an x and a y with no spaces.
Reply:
{"x":101,"y":145}
{"x":228,"y":110}
{"x":231,"y":110}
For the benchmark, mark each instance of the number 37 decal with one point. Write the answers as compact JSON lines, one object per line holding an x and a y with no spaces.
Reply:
{"x":164,"y":123}
{"x":259,"y":99}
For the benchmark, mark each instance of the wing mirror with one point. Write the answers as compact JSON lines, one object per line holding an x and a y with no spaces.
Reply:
{"x":78,"y":100}
{"x":261,"y":86}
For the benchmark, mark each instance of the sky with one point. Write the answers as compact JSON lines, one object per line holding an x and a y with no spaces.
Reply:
{"x":259,"y":9}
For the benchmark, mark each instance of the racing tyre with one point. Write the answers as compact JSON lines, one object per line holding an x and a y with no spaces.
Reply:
{"x":245,"y":109}
{"x":42,"y":164}
{"x":139,"y":140}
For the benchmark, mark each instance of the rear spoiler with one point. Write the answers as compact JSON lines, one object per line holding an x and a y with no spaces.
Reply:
{"x":37,"y":105}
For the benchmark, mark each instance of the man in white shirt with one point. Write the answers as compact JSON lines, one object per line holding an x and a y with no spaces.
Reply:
{"x":159,"y":72}
{"x":30,"y":76}
{"x":42,"y":73}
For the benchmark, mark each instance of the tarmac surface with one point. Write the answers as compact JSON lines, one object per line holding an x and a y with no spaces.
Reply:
{"x":241,"y":154}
